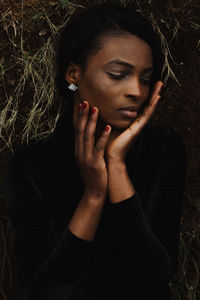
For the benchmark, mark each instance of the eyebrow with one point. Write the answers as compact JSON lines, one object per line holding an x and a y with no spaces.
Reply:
{"x":123,"y":63}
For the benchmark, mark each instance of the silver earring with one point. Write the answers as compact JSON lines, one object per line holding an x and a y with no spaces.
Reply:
{"x":72,"y":87}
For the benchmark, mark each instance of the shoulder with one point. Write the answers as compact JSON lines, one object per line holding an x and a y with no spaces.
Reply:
{"x":28,"y":177}
{"x":38,"y":165}
{"x":26,"y":172}
{"x":34,"y":152}
{"x":46,"y":151}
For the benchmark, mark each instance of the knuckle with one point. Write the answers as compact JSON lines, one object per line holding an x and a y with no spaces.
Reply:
{"x":78,"y":130}
{"x":88,"y":164}
{"x":94,"y":167}
{"x":99,"y":147}
{"x":130,"y":131}
{"x":86,"y":137}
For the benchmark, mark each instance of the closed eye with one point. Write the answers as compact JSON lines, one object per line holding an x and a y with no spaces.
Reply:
{"x":117,"y":76}
{"x":124,"y":75}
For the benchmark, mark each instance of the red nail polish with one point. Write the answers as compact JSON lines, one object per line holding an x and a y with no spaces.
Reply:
{"x":107,"y":128}
{"x":93,"y":110}
{"x":84,"y":105}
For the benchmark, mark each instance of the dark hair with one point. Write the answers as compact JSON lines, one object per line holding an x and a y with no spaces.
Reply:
{"x":80,"y":37}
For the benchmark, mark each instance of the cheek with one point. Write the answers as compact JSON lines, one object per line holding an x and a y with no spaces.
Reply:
{"x":146,"y":92}
{"x":97,"y":88}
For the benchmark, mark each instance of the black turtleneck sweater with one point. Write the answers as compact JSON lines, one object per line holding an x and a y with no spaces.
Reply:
{"x":135,"y":249}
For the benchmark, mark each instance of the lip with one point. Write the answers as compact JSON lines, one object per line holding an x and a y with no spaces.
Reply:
{"x":130,"y":108}
{"x":128,"y":113}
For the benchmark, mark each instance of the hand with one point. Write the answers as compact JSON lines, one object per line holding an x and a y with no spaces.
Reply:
{"x":118,"y":147}
{"x":90,"y":157}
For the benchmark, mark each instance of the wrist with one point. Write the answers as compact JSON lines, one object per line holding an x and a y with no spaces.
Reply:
{"x":93,"y":196}
{"x":116,"y":164}
{"x":120,"y":186}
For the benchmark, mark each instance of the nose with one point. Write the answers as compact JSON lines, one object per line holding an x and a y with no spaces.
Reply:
{"x":134,"y":88}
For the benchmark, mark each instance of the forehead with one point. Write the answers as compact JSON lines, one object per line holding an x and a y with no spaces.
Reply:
{"x":126,"y":47}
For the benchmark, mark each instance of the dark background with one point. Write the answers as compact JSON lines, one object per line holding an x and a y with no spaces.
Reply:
{"x":28,"y":31}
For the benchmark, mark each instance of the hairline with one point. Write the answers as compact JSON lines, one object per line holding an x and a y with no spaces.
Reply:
{"x":106,"y":34}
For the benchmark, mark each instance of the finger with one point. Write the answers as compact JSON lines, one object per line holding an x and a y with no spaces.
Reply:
{"x":89,"y":135}
{"x":157,"y":89}
{"x":135,"y":128}
{"x":80,"y":128}
{"x":150,"y":108}
{"x":77,"y":128}
{"x":102,"y":141}
{"x":147,"y":114}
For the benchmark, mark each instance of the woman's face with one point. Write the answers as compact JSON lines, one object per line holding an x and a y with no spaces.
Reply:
{"x":117,"y":76}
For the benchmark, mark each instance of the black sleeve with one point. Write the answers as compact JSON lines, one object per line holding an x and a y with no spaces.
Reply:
{"x":149,"y":246}
{"x":47,"y":266}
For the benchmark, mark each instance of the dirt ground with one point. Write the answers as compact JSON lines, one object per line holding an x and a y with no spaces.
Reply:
{"x":179,"y":22}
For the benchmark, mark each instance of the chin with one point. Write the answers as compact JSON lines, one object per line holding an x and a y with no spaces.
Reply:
{"x":116,"y":122}
{"x":120,"y":125}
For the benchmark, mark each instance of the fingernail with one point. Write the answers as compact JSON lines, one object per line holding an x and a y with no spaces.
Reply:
{"x":93,"y":110}
{"x":84,"y":105}
{"x":107,"y":128}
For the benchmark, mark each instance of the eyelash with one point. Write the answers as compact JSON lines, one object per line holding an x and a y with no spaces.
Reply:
{"x":121,"y":76}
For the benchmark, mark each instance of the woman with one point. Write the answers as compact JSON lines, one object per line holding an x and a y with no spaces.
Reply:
{"x":96,"y":208}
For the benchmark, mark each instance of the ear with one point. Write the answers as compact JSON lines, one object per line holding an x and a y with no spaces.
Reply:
{"x":73,"y":73}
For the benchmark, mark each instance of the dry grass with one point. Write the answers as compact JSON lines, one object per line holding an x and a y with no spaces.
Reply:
{"x":37,"y":70}
{"x":30,"y":106}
